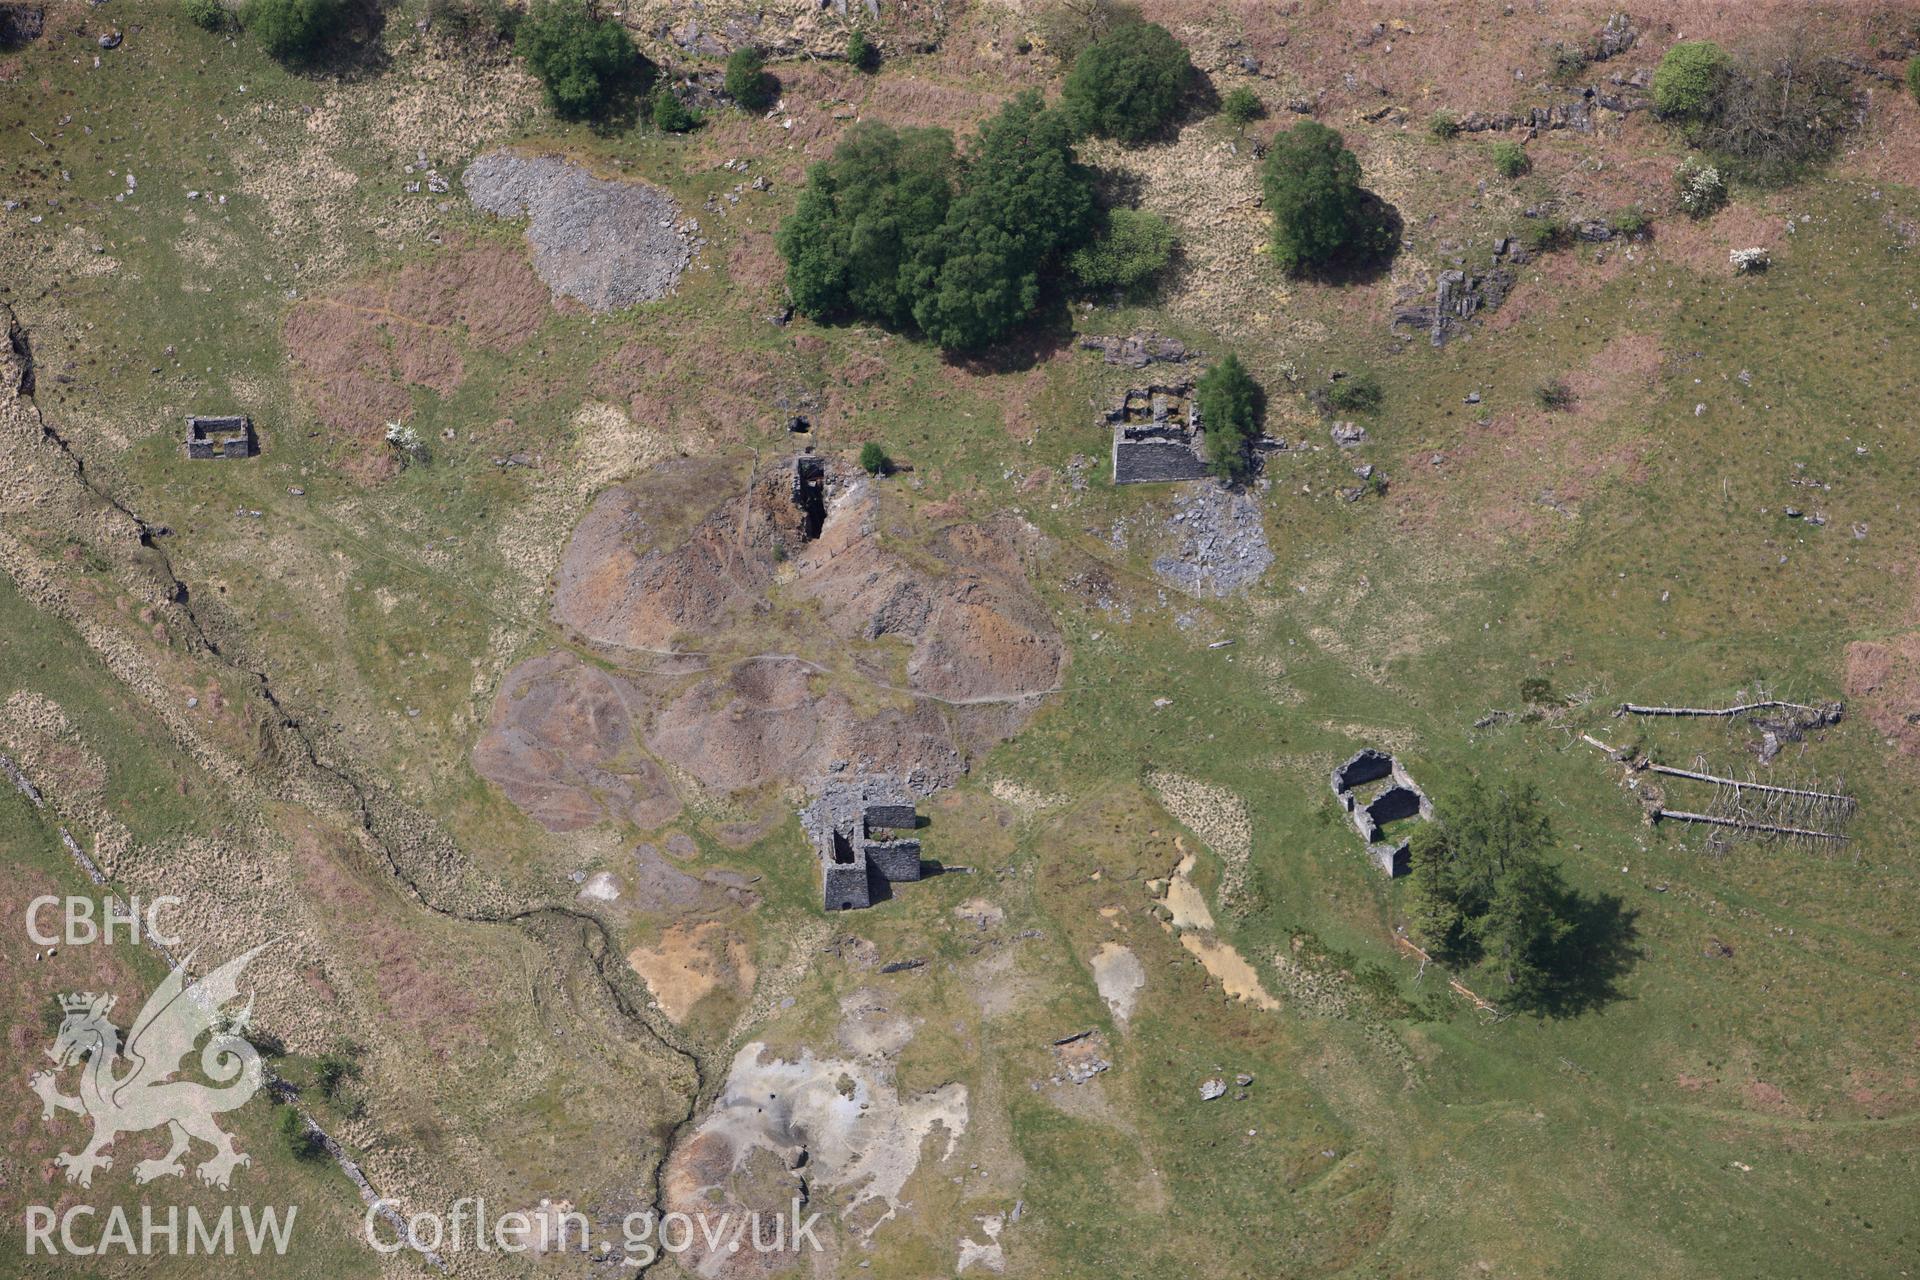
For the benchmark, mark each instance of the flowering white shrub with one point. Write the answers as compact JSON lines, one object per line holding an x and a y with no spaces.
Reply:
{"x":1702,"y":189}
{"x":1754,"y":259}
{"x":406,"y":437}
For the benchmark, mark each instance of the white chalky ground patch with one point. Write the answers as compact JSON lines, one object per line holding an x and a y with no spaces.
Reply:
{"x":1120,"y":976}
{"x":865,"y":1138}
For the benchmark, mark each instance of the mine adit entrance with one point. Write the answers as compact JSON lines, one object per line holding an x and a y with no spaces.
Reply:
{"x":810,"y":495}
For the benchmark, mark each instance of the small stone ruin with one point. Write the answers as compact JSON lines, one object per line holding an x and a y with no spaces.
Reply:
{"x":1372,"y":806}
{"x":856,"y":826}
{"x":226,"y":437}
{"x":1157,"y":435}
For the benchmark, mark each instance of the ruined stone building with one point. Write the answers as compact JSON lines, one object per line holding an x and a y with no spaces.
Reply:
{"x":223,"y":437}
{"x":856,"y":827}
{"x":1157,"y":436}
{"x":1372,"y":807}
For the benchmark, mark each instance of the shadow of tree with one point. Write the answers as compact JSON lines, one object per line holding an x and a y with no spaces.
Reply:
{"x":1201,"y":99}
{"x":1586,"y":968}
{"x":353,"y":50}
{"x":626,"y":97}
{"x":1038,"y":339}
{"x":1370,"y":262}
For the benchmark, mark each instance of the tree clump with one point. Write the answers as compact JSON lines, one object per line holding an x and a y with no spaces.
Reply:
{"x":1766,"y":113}
{"x":1022,"y":201}
{"x":670,"y":115}
{"x":1135,"y":247}
{"x":747,"y":80}
{"x":208,"y":15}
{"x":1510,"y":159}
{"x":581,"y":59}
{"x":864,"y":220}
{"x":1358,"y":392}
{"x":1321,"y":215}
{"x":1700,"y":188}
{"x":895,"y":229}
{"x":1783,"y":110}
{"x":1127,"y":84}
{"x":291,"y":30}
{"x":1485,"y":891}
{"x":301,"y":1139}
{"x":873,"y":458}
{"x":862,"y":53}
{"x":1229,"y":401}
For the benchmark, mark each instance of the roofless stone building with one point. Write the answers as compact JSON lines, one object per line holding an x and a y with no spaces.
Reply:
{"x":856,"y":827}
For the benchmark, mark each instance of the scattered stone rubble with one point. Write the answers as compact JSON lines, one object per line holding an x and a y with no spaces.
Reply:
{"x":1137,"y":351}
{"x":1400,"y":798}
{"x":1223,"y":543}
{"x":605,"y":243}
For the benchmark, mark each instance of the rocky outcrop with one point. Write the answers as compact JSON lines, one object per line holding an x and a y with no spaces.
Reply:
{"x":1458,"y":296}
{"x":1622,"y":97}
{"x":1138,"y":350}
{"x":1615,"y":38}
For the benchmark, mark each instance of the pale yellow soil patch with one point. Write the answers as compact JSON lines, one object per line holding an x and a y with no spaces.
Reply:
{"x":1230,"y":968}
{"x":1184,"y":899}
{"x":689,"y":963}
{"x":1024,"y":798}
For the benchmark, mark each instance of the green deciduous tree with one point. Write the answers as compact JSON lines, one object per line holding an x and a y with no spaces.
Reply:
{"x":1022,"y":202}
{"x":1134,"y":247}
{"x":290,"y":30}
{"x":670,"y":115}
{"x":863,"y":221}
{"x":1127,"y":84}
{"x":1689,"y":80}
{"x":1320,"y":213}
{"x":862,"y":53}
{"x":209,"y":15}
{"x":302,"y":1141}
{"x":1509,"y":159}
{"x":581,"y":58}
{"x":1229,"y":401}
{"x":1242,"y":106}
{"x":894,"y":229}
{"x":874,"y":459}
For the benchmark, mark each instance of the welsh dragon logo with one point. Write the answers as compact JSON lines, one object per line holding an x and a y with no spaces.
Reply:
{"x":142,"y":1096}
